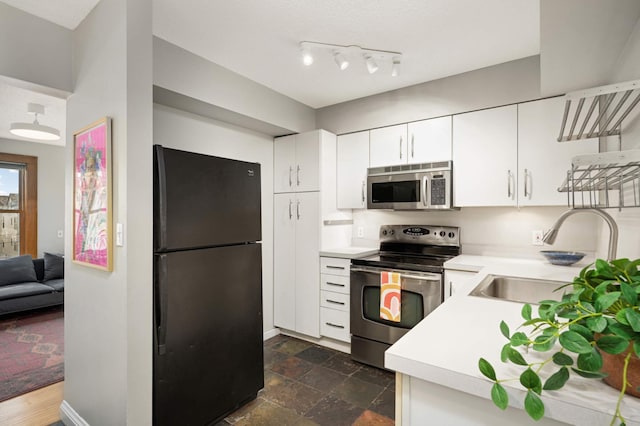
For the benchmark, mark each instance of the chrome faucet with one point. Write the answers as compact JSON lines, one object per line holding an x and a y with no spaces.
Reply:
{"x":550,"y":236}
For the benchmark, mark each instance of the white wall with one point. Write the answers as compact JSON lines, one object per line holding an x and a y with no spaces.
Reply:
{"x":108,"y":314}
{"x":181,"y":130}
{"x":50,"y":190}
{"x":34,"y":50}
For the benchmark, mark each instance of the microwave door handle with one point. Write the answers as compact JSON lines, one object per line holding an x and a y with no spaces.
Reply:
{"x":425,"y":181}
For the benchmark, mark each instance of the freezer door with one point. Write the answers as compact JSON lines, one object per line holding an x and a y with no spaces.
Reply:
{"x":203,"y":201}
{"x":208,"y":354}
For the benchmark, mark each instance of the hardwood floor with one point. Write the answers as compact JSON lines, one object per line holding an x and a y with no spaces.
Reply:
{"x":37,"y":408}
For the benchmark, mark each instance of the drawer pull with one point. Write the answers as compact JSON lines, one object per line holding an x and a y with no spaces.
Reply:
{"x":335,"y":284}
{"x":334,"y":301}
{"x":334,"y":325}
{"x":334,"y":267}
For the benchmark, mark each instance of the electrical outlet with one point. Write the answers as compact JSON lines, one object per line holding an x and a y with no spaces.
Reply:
{"x":536,"y":237}
{"x":360,"y":232}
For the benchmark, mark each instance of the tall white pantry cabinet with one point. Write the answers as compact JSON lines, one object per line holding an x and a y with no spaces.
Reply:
{"x":305,"y":220}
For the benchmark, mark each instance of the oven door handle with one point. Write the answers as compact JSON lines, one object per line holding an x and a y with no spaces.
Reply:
{"x":403,"y":274}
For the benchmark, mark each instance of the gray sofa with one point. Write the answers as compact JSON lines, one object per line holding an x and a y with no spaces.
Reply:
{"x":27,"y":283}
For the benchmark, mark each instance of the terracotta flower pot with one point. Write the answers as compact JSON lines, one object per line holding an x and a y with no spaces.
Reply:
{"x":613,"y":365}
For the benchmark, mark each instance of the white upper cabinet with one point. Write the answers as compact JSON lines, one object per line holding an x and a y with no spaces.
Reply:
{"x":388,"y":146}
{"x":485,"y":157}
{"x":429,"y":140}
{"x":352,"y":163}
{"x":296,"y":164}
{"x":542,"y":161}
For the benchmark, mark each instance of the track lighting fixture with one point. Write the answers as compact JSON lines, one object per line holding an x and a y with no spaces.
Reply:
{"x":344,"y":55}
{"x":35,"y":130}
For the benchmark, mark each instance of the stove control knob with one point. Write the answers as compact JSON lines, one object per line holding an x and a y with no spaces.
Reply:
{"x":391,"y":232}
{"x":451,"y":235}
{"x":384,"y":232}
{"x":442,"y":234}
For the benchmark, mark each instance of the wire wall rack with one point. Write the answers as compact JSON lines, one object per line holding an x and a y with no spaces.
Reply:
{"x":604,"y":180}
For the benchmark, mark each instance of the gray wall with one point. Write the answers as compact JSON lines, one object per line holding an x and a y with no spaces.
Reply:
{"x":108,"y":314}
{"x":34,"y":50}
{"x":181,"y":130}
{"x":50,"y":190}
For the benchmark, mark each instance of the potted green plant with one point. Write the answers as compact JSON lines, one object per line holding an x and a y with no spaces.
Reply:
{"x":595,"y":320}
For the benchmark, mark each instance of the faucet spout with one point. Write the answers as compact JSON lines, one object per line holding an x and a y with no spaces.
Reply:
{"x":550,"y":236}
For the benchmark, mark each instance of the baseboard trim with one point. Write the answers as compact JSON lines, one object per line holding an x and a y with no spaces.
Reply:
{"x":270,"y":333}
{"x":69,"y":416}
{"x":322,"y":341}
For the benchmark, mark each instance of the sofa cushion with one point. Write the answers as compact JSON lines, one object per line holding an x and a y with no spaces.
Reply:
{"x":11,"y":291}
{"x":57,"y":284}
{"x":53,"y":267}
{"x":17,"y":270}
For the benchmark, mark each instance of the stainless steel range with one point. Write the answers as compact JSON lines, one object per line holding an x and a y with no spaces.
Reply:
{"x":417,"y":253}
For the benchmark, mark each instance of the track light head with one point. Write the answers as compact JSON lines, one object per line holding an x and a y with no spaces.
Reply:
{"x":307,"y":57}
{"x":372,"y":66}
{"x":395,"y":66}
{"x":340,"y":60}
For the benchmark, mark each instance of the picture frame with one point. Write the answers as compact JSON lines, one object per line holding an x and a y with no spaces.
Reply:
{"x":92,"y":194}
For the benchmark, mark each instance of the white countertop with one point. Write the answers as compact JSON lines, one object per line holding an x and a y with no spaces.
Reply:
{"x":349,"y":252}
{"x":445,"y":347}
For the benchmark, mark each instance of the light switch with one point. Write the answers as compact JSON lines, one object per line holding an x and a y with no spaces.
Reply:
{"x":119,"y":235}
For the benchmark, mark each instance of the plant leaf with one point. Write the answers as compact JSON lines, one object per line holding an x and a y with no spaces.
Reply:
{"x":544,"y":342}
{"x":562,"y":359}
{"x":557,"y":379}
{"x":574,"y":342}
{"x":596,"y":324}
{"x":533,"y":406}
{"x":516,"y":357}
{"x":636,"y":347}
{"x":613,"y":344}
{"x":621,"y":316}
{"x":632,"y":268}
{"x":629,"y":294}
{"x":633,"y":318}
{"x":499,"y":396}
{"x":582,"y":330}
{"x":589,"y":374}
{"x":621,"y":330}
{"x":526,"y":312}
{"x":487,"y":369}
{"x":605,"y":301}
{"x":591,"y":361}
{"x":504,"y":329}
{"x":530,"y":380}
{"x":504,"y":353}
{"x":604,"y":269}
{"x":519,"y":339}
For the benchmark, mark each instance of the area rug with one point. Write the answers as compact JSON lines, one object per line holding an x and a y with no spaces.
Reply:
{"x":31,"y":351}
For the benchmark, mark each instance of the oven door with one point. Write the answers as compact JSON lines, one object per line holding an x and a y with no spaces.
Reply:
{"x":422,"y":292}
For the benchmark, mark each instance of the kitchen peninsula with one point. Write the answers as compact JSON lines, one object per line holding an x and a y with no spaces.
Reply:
{"x":438,"y":380}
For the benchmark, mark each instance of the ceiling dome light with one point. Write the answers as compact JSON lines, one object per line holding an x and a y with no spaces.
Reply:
{"x":340,"y":60}
{"x":372,"y":66}
{"x":35,"y":130}
{"x":395,"y":67}
{"x":307,"y":57}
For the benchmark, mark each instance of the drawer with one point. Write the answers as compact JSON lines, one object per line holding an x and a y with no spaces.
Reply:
{"x":333,"y":300}
{"x":335,"y":266}
{"x":335,"y":324}
{"x":335,"y":283}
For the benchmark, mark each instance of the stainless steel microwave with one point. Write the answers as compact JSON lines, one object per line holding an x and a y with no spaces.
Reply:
{"x":424,"y":186}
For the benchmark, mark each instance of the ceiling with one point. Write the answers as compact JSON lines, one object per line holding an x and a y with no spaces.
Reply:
{"x":260,"y":39}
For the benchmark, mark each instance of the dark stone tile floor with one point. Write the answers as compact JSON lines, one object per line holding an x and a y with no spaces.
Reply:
{"x":307,"y":384}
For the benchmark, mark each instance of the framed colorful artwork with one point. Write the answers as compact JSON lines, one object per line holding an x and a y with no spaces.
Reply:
{"x":92,"y":212}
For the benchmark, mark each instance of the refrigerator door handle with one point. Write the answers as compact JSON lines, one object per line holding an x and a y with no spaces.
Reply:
{"x":161,"y":199}
{"x":161,"y":303}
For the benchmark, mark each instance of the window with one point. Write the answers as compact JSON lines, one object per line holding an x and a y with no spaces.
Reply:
{"x":18,"y":205}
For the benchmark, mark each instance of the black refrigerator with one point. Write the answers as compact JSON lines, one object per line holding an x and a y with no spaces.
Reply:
{"x":207,"y":317}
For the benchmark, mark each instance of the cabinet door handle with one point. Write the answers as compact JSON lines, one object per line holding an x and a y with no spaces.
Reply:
{"x":412,"y":144}
{"x":400,"y":147}
{"x":335,"y":302}
{"x":527,"y":194}
{"x":363,"y":183}
{"x":334,"y":325}
{"x":298,"y":175}
{"x":290,"y":214}
{"x":509,"y":183}
{"x":290,"y":170}
{"x":298,"y":209}
{"x":335,"y":284}
{"x":334,"y":267}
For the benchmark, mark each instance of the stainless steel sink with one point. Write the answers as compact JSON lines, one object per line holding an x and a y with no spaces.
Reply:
{"x":516,"y":289}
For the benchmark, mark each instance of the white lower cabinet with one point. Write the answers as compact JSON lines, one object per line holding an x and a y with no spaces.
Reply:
{"x":296,"y":289}
{"x":334,"y":298}
{"x":458,"y":282}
